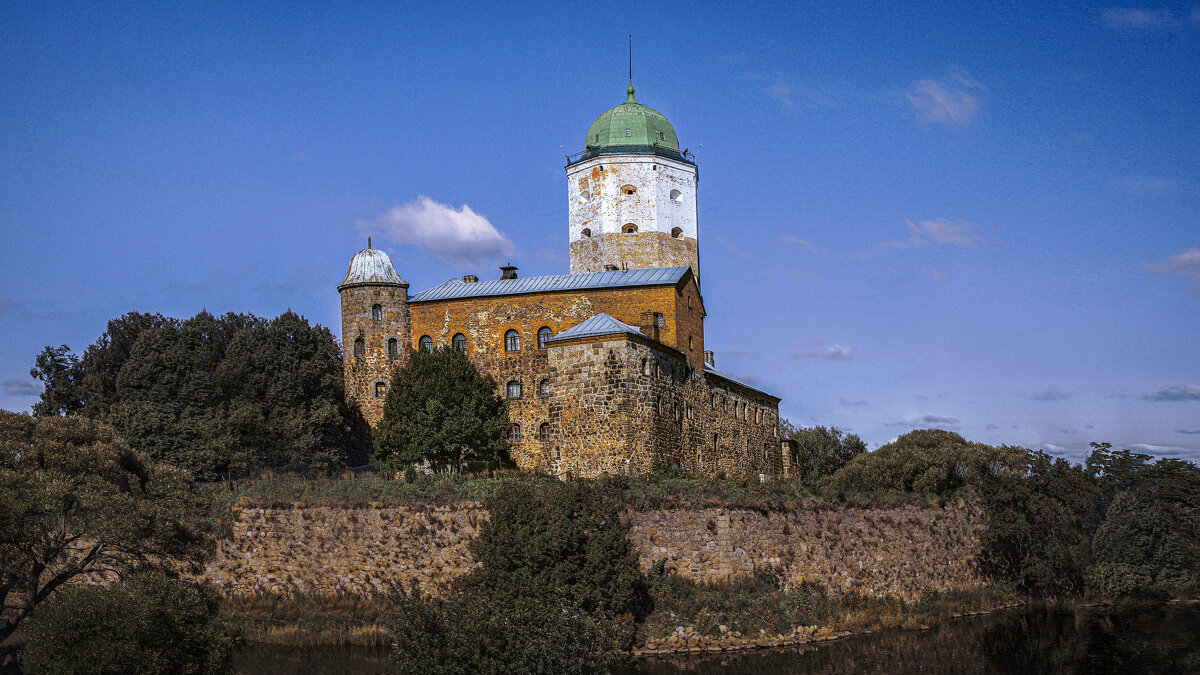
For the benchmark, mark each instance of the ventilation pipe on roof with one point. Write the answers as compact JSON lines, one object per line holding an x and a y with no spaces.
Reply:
{"x":470,"y":279}
{"x":708,"y":358}
{"x":508,"y":272}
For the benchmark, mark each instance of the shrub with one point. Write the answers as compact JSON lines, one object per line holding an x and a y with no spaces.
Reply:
{"x":1139,"y":551}
{"x":150,"y":622}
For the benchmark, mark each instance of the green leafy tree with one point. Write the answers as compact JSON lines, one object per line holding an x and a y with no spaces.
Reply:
{"x":566,"y":538}
{"x":1139,"y":550}
{"x":74,"y":499}
{"x":215,"y":395}
{"x":440,"y":409}
{"x":820,"y":451}
{"x":148,"y":623}
{"x":924,"y":461}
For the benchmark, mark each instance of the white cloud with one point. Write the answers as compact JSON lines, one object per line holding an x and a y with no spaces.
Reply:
{"x":1129,"y":17}
{"x":797,"y":97}
{"x":22,"y":388}
{"x":1051,"y":396}
{"x":1186,"y":263}
{"x":733,"y":249}
{"x":1174,"y":392}
{"x":834,"y":352}
{"x":459,"y":236}
{"x":952,"y":100}
{"x":926,"y":233}
{"x":797,"y":241}
{"x":849,"y":403}
{"x":1141,"y":185}
{"x":1158,"y":449}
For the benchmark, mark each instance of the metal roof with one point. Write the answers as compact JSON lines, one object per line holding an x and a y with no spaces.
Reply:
{"x":457,"y":288}
{"x":371,"y":266}
{"x":709,"y":370}
{"x":631,"y":123}
{"x":600,"y":324}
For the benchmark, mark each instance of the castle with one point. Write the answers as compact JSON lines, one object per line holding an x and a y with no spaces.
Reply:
{"x":604,"y":369}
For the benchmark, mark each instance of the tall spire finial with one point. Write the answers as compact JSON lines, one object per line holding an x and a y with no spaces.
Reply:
{"x":368,"y":242}
{"x":631,"y":59}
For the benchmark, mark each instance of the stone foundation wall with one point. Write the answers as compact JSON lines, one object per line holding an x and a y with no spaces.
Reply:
{"x":902,"y":551}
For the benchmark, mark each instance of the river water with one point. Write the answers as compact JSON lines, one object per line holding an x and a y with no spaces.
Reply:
{"x":1151,"y":638}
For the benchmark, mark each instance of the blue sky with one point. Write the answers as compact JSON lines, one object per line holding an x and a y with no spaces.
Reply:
{"x":985,"y":219}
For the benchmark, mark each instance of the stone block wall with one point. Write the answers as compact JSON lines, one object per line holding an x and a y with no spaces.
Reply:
{"x":902,"y":552}
{"x":364,"y":371}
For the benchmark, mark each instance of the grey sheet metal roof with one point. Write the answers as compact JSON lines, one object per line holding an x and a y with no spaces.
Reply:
{"x":726,"y":376}
{"x":600,"y":324}
{"x":457,"y":288}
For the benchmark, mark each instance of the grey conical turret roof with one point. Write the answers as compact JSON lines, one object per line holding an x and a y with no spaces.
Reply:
{"x":371,"y":267}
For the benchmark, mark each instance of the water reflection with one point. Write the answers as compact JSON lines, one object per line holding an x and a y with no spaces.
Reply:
{"x":1127,"y":639}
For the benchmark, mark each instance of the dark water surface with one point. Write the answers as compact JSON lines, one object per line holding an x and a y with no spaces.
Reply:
{"x":1128,"y":639}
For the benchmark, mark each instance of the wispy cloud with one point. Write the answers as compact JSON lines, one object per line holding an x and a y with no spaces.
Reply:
{"x":1190,"y":432}
{"x":22,"y":388}
{"x":1132,"y":17}
{"x":990,"y":427}
{"x":796,"y":97}
{"x":850,"y":404}
{"x":1157,"y":449}
{"x":819,"y":350}
{"x":459,"y":236}
{"x":1051,"y":396}
{"x":746,"y":378}
{"x":732,"y":249}
{"x":793,"y":240}
{"x":1186,"y":263}
{"x":951,"y":100}
{"x":937,"y":275}
{"x":734,"y":352}
{"x":926,"y":233}
{"x":927,"y":422}
{"x":1141,"y":185}
{"x":1174,"y":392}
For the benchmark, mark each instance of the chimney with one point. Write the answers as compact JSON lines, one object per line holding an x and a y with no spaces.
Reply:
{"x":611,"y":268}
{"x":508,"y":271}
{"x":470,"y":279}
{"x":708,"y":358}
{"x":649,"y":324}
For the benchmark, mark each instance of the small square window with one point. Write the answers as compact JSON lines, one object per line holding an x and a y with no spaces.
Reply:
{"x":628,"y":133}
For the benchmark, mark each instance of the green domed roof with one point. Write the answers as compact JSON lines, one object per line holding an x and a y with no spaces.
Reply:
{"x":631,"y":124}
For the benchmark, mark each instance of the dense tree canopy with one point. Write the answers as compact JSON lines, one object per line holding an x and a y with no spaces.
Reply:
{"x":440,"y":409}
{"x":150,"y":622}
{"x":821,"y":451}
{"x":74,"y":499}
{"x":216,"y":395}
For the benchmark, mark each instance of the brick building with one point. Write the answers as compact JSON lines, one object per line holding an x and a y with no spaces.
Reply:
{"x":604,"y":368}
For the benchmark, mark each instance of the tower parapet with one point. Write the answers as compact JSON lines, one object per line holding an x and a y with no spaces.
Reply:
{"x":632,"y":194}
{"x":376,"y":329}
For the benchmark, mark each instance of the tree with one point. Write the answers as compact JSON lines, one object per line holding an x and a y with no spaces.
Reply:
{"x":215,"y":395}
{"x":925,"y":461}
{"x":820,"y":451}
{"x":149,"y":622}
{"x":1139,"y":550}
{"x":75,"y":500}
{"x":546,"y":541}
{"x":440,"y":409}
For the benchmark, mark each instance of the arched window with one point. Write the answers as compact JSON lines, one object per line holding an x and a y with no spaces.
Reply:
{"x":676,"y":232}
{"x":514,"y":433}
{"x":512,"y":341}
{"x":426,"y":343}
{"x":360,"y":347}
{"x":628,"y":228}
{"x":716,"y":445}
{"x":677,"y":196}
{"x":628,"y":190}
{"x":645,"y":366}
{"x":380,"y":389}
{"x":393,"y":348}
{"x":544,"y":333}
{"x":459,"y":342}
{"x":586,"y":232}
{"x":514,"y":389}
{"x":544,"y":432}
{"x":766,"y":453}
{"x":376,"y":312}
{"x":585,"y":196}
{"x":544,"y":388}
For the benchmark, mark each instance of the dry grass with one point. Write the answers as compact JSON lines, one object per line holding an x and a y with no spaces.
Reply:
{"x":311,"y":620}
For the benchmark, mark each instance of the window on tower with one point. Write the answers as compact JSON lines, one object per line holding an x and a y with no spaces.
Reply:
{"x":586,"y":232}
{"x":392,"y":348}
{"x":628,"y":133}
{"x":676,"y":196}
{"x":628,"y":190}
{"x":629,"y":228}
{"x":676,"y":232}
{"x":360,"y":347}
{"x":544,"y":432}
{"x":426,"y":343}
{"x":544,"y":333}
{"x":380,"y":389}
{"x":514,"y":433}
{"x":376,"y":312}
{"x":544,"y":388}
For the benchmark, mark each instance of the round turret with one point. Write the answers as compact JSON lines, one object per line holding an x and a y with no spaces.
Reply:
{"x":631,"y":125}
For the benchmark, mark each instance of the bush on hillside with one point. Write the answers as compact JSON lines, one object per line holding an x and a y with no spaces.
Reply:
{"x":821,"y":451}
{"x":1139,"y":551}
{"x":150,"y":623}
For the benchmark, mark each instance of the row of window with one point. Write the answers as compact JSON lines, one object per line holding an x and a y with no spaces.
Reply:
{"x":543,"y":432}
{"x":627,"y":190}
{"x":631,"y":228}
{"x":513,"y":389}
{"x":512,"y":342}
{"x":741,"y":410}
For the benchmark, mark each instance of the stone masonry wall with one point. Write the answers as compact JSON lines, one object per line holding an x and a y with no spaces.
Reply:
{"x":896,"y":551}
{"x":363,"y":371}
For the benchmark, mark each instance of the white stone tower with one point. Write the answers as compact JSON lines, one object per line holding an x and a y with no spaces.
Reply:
{"x":632,"y":194}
